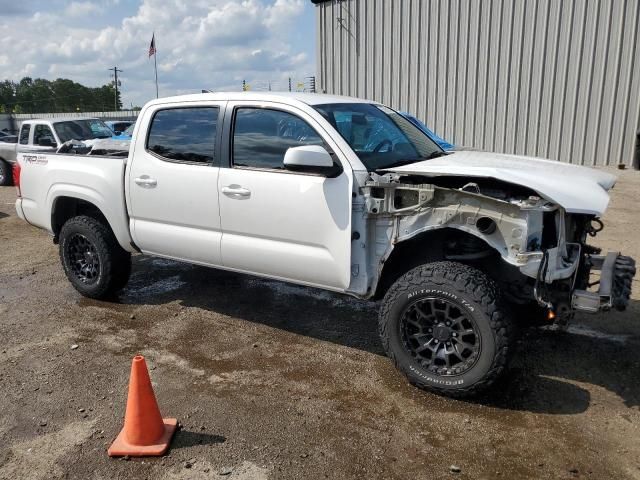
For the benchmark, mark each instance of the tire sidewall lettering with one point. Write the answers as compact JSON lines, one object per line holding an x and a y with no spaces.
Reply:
{"x":441,"y":293}
{"x":437,"y":381}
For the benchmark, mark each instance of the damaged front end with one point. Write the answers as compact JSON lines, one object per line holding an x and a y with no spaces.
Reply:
{"x":530,"y":245}
{"x":598,"y":282}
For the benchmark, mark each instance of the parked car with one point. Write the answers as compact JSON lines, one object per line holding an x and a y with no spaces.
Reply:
{"x":345,"y":195}
{"x":7,"y":137}
{"x":126,"y":134}
{"x":46,"y":135}
{"x":430,"y":133}
{"x":118,"y":126}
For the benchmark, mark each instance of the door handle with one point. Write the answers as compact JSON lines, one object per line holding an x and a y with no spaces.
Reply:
{"x":236,"y":191}
{"x":146,"y":181}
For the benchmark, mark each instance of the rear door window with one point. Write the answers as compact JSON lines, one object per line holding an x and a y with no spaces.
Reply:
{"x":184,"y":134}
{"x":24,"y":134}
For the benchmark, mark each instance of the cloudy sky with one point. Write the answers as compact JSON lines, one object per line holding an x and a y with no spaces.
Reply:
{"x":212,"y":44}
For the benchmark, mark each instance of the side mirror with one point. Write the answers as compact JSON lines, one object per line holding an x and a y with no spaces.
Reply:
{"x":311,"y":159}
{"x":46,"y":142}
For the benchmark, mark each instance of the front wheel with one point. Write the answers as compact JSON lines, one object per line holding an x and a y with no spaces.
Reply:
{"x":444,"y":327}
{"x":95,"y":264}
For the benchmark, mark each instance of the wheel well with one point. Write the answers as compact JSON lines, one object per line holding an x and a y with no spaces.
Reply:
{"x":65,"y":208}
{"x":433,"y":246}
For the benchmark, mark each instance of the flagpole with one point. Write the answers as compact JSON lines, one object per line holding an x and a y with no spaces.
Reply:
{"x":155,"y":62}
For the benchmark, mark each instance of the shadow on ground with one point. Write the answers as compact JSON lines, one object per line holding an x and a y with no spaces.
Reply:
{"x":186,"y":438}
{"x":546,"y":370}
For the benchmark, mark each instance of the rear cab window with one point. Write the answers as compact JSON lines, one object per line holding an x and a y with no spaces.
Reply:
{"x":184,"y":135}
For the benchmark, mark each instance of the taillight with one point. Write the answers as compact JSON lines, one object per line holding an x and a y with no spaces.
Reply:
{"x":16,"y":177}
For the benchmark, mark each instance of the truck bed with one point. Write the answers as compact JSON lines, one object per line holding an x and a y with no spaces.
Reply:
{"x":46,"y":178}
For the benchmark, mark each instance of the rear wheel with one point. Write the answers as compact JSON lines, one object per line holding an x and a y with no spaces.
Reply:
{"x":6,"y":176}
{"x":95,"y":264}
{"x":444,"y":326}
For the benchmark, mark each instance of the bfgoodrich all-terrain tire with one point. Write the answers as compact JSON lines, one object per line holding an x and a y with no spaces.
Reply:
{"x":444,"y":326}
{"x":93,"y":261}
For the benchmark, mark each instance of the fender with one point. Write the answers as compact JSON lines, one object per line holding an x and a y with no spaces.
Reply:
{"x":118,"y":220}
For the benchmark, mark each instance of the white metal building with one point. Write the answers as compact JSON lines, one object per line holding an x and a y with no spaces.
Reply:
{"x":557,"y":79}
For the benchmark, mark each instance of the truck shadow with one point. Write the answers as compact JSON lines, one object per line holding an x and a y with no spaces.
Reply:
{"x":546,"y":372}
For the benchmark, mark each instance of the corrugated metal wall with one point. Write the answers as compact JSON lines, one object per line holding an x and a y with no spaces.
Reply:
{"x":551,"y":78}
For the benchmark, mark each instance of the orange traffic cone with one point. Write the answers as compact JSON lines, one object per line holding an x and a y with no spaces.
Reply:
{"x":145,"y":432}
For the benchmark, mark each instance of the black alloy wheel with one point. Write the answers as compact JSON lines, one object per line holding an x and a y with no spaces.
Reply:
{"x":440,"y":336}
{"x":84,"y":260}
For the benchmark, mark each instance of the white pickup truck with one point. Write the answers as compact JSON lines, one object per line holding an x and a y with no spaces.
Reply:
{"x":345,"y":195}
{"x":45,"y":135}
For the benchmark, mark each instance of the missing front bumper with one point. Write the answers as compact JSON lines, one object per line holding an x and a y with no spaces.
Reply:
{"x":614,"y":291}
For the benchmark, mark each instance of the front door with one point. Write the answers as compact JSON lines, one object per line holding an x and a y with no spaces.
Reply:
{"x":172,"y":183}
{"x":275,"y":222}
{"x":42,"y":134}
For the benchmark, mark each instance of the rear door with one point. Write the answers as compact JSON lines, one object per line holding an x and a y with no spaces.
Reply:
{"x":275,"y":222}
{"x":172,"y":182}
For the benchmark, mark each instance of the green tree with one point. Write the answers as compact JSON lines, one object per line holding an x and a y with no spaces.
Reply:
{"x":24,"y":94}
{"x":61,"y":95}
{"x":7,"y":95}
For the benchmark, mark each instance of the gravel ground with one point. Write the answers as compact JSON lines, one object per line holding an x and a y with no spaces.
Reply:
{"x":277,"y":381}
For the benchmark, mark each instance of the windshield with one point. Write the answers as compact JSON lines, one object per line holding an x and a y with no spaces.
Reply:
{"x":381,"y":137}
{"x":81,"y":130}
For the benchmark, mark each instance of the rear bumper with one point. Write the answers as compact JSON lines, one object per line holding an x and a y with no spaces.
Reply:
{"x":19,"y":210}
{"x":614,"y":290}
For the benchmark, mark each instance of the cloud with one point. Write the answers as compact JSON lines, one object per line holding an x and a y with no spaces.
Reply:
{"x":210,"y":44}
{"x":83,"y":9}
{"x":282,"y":11}
{"x":12,"y":7}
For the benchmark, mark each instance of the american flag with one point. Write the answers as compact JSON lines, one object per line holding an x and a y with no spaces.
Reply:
{"x":152,"y":47}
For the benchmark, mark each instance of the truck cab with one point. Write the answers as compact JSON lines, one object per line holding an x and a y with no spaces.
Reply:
{"x":38,"y":135}
{"x":48,"y":135}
